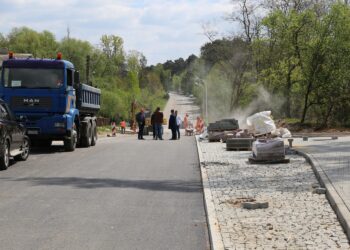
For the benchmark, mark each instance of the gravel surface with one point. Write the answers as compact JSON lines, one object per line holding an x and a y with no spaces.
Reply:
{"x":296,"y":217}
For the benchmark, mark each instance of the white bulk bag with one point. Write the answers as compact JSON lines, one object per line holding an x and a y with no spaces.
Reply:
{"x":261,"y":122}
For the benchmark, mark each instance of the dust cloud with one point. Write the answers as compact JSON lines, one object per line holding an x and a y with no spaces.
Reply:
{"x":262,"y":100}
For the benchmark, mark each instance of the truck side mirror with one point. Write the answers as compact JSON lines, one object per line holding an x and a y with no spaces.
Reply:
{"x":76,"y":77}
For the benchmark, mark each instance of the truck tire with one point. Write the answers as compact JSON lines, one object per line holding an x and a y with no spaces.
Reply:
{"x":25,"y":148}
{"x":71,"y":143}
{"x":5,"y":156}
{"x":93,"y":134}
{"x":86,"y":139}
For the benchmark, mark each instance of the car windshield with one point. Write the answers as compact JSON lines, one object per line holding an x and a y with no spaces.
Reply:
{"x":33,"y":78}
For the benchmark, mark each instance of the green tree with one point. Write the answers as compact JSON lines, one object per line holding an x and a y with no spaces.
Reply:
{"x":3,"y":41}
{"x":76,"y":51}
{"x":24,"y":40}
{"x":48,"y":44}
{"x":113,"y":51}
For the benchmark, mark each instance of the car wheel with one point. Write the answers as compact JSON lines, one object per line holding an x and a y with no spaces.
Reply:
{"x":71,"y":143}
{"x":5,"y":156}
{"x":94,"y":134}
{"x":25,"y":150}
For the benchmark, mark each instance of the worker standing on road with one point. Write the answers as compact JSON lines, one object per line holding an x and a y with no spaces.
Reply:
{"x":153,"y":125}
{"x":186,"y":121}
{"x":172,"y":125}
{"x":122,"y":126}
{"x":140,"y":119}
{"x":178,"y":124}
{"x":158,"y":121}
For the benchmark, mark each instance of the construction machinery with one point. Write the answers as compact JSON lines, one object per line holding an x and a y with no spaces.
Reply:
{"x":54,"y":104}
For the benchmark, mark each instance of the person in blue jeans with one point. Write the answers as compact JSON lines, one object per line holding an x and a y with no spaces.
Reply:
{"x":158,"y":122}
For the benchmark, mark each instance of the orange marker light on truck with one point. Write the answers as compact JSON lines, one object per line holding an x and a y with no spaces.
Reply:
{"x":59,"y":56}
{"x":10,"y":55}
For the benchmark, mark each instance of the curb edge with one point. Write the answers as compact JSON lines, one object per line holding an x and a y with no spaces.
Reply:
{"x":216,"y":242}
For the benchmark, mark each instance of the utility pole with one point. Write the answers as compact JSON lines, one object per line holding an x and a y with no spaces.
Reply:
{"x":204,"y":85}
{"x":206,"y":101}
{"x":88,"y":69}
{"x":68,"y":32}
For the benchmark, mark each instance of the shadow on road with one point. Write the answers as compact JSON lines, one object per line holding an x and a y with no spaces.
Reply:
{"x":167,"y":185}
{"x":47,"y":150}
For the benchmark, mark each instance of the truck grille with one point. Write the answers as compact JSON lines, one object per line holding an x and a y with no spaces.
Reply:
{"x":31,"y":102}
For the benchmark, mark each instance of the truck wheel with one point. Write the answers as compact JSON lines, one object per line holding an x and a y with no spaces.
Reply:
{"x":93,"y":134}
{"x":5,"y":156}
{"x":71,"y":143}
{"x":86,"y":139}
{"x":25,"y":150}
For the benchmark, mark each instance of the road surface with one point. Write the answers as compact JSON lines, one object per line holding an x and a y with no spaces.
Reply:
{"x":121,"y":194}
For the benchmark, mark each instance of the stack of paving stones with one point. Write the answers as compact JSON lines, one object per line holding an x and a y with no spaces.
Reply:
{"x":296,"y":216}
{"x":239,"y":143}
{"x":216,"y":130}
{"x":228,"y":135}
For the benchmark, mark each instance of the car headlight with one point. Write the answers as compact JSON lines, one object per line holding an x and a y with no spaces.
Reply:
{"x":60,"y":125}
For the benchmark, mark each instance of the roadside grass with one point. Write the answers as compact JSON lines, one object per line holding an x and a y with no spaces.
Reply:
{"x":104,"y":130}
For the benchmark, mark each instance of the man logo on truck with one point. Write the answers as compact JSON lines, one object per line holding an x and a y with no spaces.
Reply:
{"x":31,"y":102}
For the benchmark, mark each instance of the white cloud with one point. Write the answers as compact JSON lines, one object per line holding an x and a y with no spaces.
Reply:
{"x":161,"y":29}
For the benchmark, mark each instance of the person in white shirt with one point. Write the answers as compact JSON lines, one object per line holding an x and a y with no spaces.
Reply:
{"x":178,"y":124}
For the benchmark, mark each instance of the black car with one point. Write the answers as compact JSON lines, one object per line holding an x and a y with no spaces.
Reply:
{"x":13,"y":139}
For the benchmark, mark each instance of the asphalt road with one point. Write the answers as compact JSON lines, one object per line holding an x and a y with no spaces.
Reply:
{"x":120,"y":194}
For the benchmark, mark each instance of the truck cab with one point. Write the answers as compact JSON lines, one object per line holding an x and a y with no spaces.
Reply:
{"x":46,"y":92}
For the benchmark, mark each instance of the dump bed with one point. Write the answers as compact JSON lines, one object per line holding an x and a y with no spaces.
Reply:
{"x":88,"y":99}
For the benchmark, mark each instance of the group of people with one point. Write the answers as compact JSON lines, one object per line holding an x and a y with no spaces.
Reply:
{"x":157,"y":118}
{"x":122,"y":127}
{"x":174,"y":125}
{"x":156,"y":122}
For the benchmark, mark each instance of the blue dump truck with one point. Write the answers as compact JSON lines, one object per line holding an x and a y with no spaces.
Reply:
{"x":47,"y":96}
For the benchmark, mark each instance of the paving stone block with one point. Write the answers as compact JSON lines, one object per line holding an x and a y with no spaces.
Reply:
{"x":315,"y":185}
{"x":255,"y":205}
{"x":319,"y":190}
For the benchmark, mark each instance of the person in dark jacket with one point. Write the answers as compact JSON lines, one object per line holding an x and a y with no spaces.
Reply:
{"x":172,"y":125}
{"x":158,"y":121}
{"x":140,"y":119}
{"x":153,"y":125}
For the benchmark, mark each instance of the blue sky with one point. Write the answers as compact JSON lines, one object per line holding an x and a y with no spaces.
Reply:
{"x":161,"y":30}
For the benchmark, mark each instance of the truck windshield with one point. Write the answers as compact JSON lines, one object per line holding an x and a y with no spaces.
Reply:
{"x":33,"y":78}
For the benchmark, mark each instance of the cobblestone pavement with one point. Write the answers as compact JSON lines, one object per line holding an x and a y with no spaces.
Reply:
{"x":295,"y":219}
